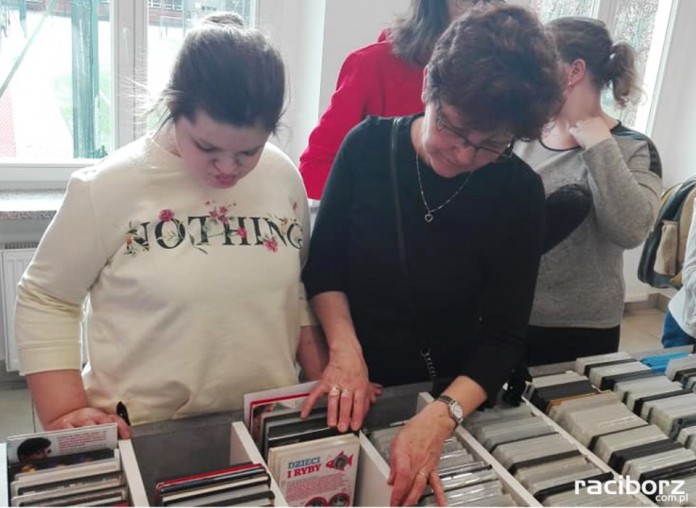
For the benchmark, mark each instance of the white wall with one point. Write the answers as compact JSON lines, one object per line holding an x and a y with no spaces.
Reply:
{"x":297,"y":29}
{"x":315,"y":36}
{"x":351,"y":24}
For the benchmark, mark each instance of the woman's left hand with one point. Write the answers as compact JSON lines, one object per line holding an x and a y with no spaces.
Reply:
{"x":345,"y":382}
{"x":415,"y":455}
{"x":590,"y":131}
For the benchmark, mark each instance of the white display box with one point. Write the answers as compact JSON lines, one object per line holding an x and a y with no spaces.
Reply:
{"x":372,"y":474}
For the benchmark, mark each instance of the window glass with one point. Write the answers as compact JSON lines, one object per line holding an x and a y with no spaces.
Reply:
{"x":634,"y":22}
{"x":168,"y":22}
{"x":55,"y":80}
{"x":641,"y":23}
{"x":552,"y":9}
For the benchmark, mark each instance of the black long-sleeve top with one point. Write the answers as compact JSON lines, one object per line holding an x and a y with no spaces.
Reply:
{"x":472,"y":270}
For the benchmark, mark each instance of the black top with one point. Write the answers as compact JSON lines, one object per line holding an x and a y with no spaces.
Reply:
{"x":472,"y":269}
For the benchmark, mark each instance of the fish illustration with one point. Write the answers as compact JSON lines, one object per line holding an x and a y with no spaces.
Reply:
{"x":340,"y":461}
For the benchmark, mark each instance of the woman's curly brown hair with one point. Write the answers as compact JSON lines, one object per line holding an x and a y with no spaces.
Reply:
{"x":498,"y":67}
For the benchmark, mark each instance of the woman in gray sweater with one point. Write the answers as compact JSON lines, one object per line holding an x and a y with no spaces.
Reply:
{"x":603,"y":183}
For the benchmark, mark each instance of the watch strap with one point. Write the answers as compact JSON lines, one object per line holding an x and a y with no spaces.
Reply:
{"x":450,"y":402}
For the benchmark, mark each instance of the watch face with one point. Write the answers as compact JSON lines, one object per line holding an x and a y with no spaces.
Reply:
{"x":457,"y":411}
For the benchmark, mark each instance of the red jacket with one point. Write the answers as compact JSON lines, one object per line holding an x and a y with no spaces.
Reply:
{"x":372,"y":81}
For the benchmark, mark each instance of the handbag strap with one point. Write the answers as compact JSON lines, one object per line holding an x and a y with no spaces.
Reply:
{"x":396,"y":123}
{"x":424,"y":347}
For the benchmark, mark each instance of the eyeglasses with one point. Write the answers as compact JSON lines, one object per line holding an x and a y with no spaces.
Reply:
{"x":502,"y":149}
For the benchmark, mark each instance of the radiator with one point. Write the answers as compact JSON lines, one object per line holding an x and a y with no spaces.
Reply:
{"x":14,"y":259}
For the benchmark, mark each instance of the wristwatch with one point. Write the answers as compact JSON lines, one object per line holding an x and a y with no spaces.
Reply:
{"x":455,"y":410}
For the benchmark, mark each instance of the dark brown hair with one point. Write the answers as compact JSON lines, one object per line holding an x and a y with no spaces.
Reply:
{"x":230,"y":72}
{"x":609,"y":64}
{"x":31,"y":446}
{"x":498,"y":67}
{"x":414,"y":35}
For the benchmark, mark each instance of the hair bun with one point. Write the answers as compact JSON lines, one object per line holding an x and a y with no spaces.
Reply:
{"x":224,"y":18}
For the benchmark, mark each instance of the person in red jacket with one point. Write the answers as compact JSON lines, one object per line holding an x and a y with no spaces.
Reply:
{"x":383,"y":79}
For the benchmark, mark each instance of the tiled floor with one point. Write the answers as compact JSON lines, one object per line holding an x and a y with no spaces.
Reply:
{"x":640,"y":331}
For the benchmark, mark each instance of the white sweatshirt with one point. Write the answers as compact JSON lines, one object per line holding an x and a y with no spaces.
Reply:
{"x":195,"y":295}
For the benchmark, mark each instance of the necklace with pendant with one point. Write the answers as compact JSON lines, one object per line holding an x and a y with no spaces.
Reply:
{"x":429,"y":212}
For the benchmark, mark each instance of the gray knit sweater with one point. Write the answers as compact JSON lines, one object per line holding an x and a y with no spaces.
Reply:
{"x":580,"y":280}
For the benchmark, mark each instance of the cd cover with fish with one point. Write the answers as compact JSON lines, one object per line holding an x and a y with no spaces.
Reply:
{"x":321,"y":472}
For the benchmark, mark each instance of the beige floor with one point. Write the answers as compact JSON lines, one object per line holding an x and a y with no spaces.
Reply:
{"x":640,"y":331}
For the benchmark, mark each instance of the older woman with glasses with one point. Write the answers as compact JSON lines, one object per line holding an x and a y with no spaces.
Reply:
{"x":426,"y":247}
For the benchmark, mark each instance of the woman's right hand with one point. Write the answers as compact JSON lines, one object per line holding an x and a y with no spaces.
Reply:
{"x":350,"y":393}
{"x":85,"y":416}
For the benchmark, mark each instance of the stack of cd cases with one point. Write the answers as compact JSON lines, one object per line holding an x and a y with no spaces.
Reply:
{"x":547,"y":390}
{"x":545,"y":462}
{"x":239,"y":485}
{"x":644,"y":428}
{"x":659,"y":362}
{"x":667,"y":400}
